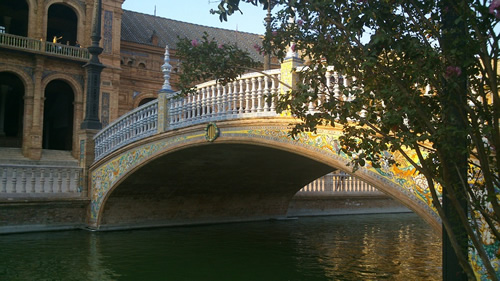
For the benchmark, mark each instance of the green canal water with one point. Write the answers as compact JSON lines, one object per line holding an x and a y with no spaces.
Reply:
{"x":360,"y":247}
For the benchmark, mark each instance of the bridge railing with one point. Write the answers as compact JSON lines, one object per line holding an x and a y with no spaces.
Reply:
{"x":333,"y":83}
{"x":252,"y":95}
{"x":338,"y":184}
{"x":137,"y":124}
{"x":39,"y":181}
{"x":40,"y":46}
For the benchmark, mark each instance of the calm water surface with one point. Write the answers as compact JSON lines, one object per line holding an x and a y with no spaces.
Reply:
{"x":361,"y":247}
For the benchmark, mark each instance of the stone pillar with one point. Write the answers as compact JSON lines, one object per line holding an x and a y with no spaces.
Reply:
{"x":32,"y":132}
{"x":289,"y":76}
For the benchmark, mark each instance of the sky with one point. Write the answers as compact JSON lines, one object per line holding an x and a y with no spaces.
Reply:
{"x":198,"y":12}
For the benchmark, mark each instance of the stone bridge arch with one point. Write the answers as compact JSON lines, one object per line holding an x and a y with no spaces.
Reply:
{"x":320,"y":152}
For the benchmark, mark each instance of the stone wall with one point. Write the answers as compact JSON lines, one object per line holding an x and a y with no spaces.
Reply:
{"x":42,"y":215}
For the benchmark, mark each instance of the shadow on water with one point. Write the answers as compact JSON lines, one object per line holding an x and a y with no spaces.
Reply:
{"x":361,"y":247}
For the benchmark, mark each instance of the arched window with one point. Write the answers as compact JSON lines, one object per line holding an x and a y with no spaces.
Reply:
{"x":62,"y":24}
{"x":58,"y":116}
{"x":14,"y":17}
{"x":146,"y":100}
{"x":11,"y":110}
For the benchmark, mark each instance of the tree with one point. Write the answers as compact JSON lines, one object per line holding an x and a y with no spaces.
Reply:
{"x":424,"y":78}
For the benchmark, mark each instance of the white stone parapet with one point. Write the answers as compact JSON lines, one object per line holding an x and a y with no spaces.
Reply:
{"x":36,"y":180}
{"x":338,"y":184}
{"x":137,"y":124}
{"x":252,"y":95}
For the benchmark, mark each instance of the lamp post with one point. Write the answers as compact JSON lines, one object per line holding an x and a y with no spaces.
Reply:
{"x":267,"y":57}
{"x":94,"y":68}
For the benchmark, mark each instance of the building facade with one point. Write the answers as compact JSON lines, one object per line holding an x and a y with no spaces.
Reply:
{"x":42,"y":76}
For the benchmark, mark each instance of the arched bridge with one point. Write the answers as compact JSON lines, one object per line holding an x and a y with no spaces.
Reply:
{"x":222,"y":155}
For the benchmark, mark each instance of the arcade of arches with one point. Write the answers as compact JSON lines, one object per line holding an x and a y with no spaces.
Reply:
{"x":42,"y":95}
{"x":58,"y":113}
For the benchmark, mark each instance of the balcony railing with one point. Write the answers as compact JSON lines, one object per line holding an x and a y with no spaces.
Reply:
{"x":40,"y":46}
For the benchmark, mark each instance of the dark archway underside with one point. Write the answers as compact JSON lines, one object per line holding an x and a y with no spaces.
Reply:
{"x":211,"y":183}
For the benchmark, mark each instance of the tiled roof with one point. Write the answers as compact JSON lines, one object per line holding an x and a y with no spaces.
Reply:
{"x":138,"y":28}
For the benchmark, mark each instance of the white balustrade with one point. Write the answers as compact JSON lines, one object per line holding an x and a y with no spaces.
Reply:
{"x":34,"y":181}
{"x":137,"y":124}
{"x":338,"y":184}
{"x":252,"y":95}
{"x":40,"y":46}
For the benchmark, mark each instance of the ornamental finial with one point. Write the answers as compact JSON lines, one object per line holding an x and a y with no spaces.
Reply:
{"x":166,"y":68}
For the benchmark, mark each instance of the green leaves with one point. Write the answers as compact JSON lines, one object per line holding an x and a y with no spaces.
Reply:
{"x":206,"y":60}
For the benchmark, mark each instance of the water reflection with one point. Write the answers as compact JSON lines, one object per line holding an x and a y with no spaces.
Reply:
{"x":375,"y":247}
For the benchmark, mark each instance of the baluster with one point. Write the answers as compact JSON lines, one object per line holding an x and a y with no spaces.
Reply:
{"x":267,"y":97}
{"x":155,"y":117}
{"x":142,"y":114}
{"x":23,"y":180}
{"x":68,"y":180}
{"x":213,"y":100}
{"x":14,"y":180}
{"x":210,"y":98}
{"x":234,"y":103}
{"x":42,"y":180}
{"x":248,"y":94}
{"x":241,"y":97}
{"x":51,"y":181}
{"x":59,"y":181}
{"x":225,"y":97}
{"x":274,"y":91}
{"x":4,"y":180}
{"x":259,"y":94}
{"x":254,"y":94}
{"x":189,"y":106}
{"x":178,"y":110}
{"x":203,"y":102}
{"x":183,"y":112}
{"x":33,"y":181}
{"x":218,"y":101}
{"x":194,"y":106}
{"x":199,"y":106}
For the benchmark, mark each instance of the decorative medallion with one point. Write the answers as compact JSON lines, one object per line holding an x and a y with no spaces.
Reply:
{"x":211,"y":132}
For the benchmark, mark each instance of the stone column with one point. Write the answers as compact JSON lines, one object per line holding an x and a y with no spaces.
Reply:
{"x":289,"y":76}
{"x":32,"y":132}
